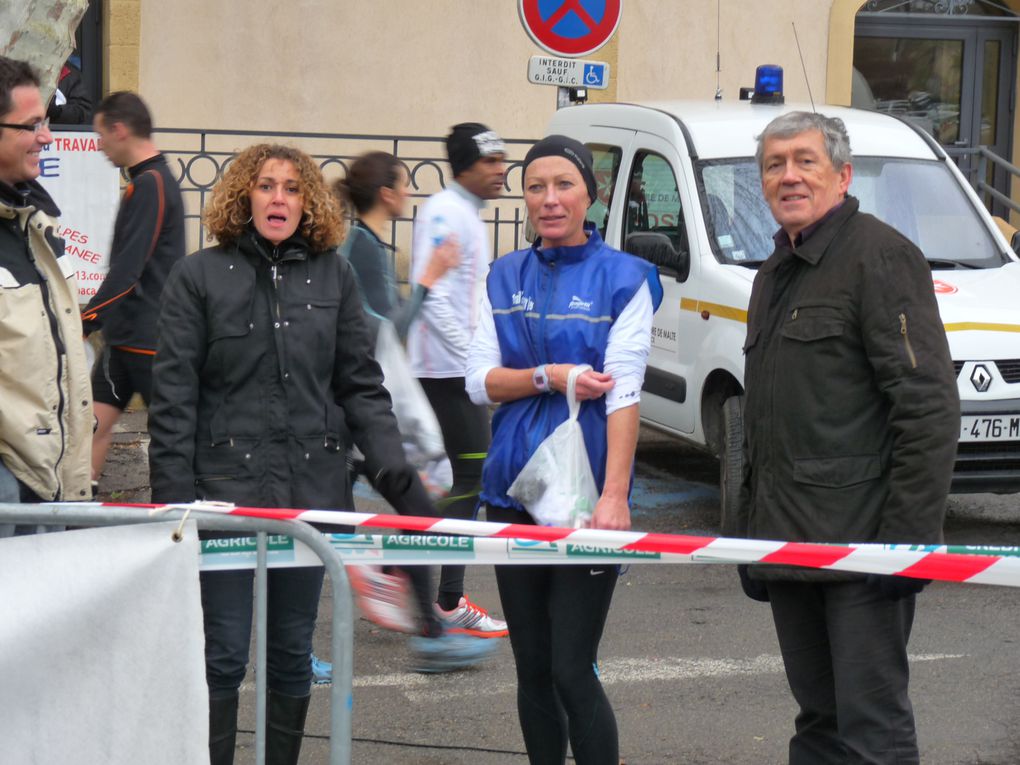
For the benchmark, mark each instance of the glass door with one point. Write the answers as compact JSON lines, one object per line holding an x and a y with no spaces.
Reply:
{"x":952,"y":76}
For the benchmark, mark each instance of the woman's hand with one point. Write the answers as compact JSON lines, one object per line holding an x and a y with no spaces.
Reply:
{"x":589,"y":384}
{"x":444,"y":256}
{"x":611,"y":513}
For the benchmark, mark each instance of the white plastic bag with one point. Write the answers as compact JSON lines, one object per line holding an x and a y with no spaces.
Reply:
{"x":556,"y":485}
{"x":415,"y":419}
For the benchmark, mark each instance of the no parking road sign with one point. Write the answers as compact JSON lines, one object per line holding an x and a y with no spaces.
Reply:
{"x":570,"y":27}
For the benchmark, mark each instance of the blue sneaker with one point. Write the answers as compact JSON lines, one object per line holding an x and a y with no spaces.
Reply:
{"x":322,"y":671}
{"x":449,"y":652}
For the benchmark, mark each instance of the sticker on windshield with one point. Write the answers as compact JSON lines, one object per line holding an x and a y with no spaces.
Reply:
{"x":738,"y":255}
{"x":943,"y":288}
{"x":725,"y":240}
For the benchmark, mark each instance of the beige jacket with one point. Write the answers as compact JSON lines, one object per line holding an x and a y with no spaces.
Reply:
{"x":45,"y":394}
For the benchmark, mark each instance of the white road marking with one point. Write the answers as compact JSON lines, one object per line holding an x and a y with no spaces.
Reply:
{"x":419,"y":688}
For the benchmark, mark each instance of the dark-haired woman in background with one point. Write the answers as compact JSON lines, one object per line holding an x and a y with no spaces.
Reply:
{"x":377,"y":187}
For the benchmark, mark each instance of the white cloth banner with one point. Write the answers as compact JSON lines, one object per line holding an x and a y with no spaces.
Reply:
{"x":86,"y":188}
{"x":102,"y":648}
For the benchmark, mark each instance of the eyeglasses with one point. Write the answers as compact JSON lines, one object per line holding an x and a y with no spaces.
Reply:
{"x":35,"y":127}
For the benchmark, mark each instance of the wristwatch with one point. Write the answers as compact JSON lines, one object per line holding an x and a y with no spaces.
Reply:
{"x":540,"y":379}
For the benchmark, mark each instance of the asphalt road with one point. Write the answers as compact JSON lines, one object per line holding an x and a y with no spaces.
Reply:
{"x":691,"y":666}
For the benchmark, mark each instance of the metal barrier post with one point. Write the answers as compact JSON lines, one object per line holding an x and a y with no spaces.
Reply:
{"x":261,"y":630}
{"x":341,"y":698}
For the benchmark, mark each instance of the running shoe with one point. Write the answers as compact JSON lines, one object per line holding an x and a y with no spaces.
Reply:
{"x":383,"y":599}
{"x":449,"y":652}
{"x":471,"y":619}
{"x":322,"y":671}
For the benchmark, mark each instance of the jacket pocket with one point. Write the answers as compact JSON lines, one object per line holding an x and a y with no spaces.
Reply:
{"x":234,"y":459}
{"x":229,"y":312}
{"x":807,"y":325}
{"x":837,"y":472}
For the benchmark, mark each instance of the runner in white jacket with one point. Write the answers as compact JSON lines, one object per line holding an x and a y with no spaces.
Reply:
{"x":438,"y":339}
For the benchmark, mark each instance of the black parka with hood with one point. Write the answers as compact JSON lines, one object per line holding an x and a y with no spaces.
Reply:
{"x":263,"y":355}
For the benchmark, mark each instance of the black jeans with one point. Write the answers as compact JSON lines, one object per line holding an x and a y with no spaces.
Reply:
{"x":845,"y":649}
{"x":293,"y":603}
{"x":466,"y":435}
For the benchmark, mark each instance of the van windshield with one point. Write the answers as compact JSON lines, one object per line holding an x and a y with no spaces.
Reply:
{"x":920,"y":198}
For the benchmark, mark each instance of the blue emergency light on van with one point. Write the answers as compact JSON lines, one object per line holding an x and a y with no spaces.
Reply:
{"x":768,"y":85}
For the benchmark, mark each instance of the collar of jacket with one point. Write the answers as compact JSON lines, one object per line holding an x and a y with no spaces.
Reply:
{"x":359,"y":223}
{"x":146,"y":164}
{"x":22,"y":195}
{"x":255,"y":245}
{"x":573,"y":254}
{"x":812,"y":250}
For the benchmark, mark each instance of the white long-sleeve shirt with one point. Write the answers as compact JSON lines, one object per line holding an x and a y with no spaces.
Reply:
{"x":438,"y":338}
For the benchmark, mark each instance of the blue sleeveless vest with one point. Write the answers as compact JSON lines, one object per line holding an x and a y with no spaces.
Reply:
{"x":555,"y":305}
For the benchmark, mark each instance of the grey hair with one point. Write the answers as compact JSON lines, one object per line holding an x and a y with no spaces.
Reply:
{"x":837,"y":142}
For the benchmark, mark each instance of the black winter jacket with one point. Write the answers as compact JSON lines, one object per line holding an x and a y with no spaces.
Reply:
{"x":262,"y":353}
{"x":851,"y":413}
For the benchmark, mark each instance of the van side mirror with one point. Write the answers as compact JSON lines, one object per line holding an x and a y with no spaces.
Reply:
{"x":657,"y":248}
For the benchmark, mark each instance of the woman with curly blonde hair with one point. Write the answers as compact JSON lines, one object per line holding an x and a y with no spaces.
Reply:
{"x":230,"y":211}
{"x":262,"y":369}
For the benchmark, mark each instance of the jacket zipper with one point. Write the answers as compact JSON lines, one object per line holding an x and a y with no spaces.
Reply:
{"x":54,"y":321}
{"x":906,"y":341}
{"x":544,"y":355}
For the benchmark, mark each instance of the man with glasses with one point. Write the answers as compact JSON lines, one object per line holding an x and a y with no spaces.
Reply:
{"x":45,"y":398}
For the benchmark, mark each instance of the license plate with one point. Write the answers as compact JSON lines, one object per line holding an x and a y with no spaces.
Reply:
{"x":996,"y":427}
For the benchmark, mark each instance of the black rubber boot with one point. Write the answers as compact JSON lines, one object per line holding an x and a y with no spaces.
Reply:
{"x":222,"y":730}
{"x":284,"y":727}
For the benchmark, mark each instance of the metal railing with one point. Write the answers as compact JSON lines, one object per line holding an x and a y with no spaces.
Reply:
{"x":342,"y":638}
{"x":199,"y":158}
{"x":974,"y":164}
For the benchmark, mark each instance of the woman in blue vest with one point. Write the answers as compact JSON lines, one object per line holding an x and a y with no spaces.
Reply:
{"x":570,"y":299}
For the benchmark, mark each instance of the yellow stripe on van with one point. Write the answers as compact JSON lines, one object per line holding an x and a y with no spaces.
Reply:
{"x":980,"y":326}
{"x":715,"y":309}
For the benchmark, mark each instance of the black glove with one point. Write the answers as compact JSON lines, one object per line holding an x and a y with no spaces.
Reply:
{"x":755,"y":589}
{"x":394,"y":481}
{"x":403,"y":489}
{"x":897,"y":587}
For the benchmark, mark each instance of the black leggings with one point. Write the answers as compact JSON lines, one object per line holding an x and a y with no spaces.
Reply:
{"x":466,"y":431}
{"x":555,"y":615}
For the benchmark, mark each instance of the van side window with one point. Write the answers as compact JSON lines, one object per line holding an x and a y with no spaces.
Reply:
{"x":653,"y":219}
{"x":606,"y":163}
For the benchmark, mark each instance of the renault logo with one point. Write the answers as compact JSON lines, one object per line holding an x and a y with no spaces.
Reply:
{"x":981,"y":378}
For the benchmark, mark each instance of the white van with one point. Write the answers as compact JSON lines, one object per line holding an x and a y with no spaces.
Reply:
{"x":678,"y":185}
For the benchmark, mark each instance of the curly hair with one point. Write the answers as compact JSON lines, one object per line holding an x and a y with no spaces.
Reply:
{"x":229,"y":211}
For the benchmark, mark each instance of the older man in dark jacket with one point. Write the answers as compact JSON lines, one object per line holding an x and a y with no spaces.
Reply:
{"x":851,"y":420}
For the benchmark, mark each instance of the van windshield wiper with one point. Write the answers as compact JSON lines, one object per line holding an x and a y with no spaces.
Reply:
{"x":754,"y":265}
{"x":940,"y":263}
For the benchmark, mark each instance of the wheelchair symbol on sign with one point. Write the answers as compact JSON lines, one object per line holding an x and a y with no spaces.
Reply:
{"x":592,"y":74}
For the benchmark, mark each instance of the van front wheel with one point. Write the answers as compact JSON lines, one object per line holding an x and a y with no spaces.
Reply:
{"x":731,"y":463}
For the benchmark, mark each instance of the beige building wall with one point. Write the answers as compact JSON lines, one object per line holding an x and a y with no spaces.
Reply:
{"x":397,"y":66}
{"x":669,"y":47}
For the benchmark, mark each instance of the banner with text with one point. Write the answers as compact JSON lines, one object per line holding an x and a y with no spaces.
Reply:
{"x":86,"y":188}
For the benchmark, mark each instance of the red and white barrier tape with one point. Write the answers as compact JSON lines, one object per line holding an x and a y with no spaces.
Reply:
{"x":980,"y":565}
